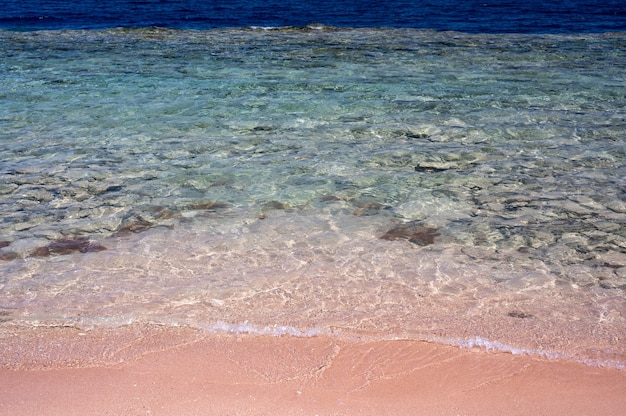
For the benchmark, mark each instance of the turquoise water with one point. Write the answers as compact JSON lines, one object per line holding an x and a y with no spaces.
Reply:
{"x":243,"y":178}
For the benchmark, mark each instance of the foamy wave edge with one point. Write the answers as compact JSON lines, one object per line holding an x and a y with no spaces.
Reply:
{"x":247,"y":328}
{"x":469,"y":343}
{"x":496,"y":346}
{"x":273,"y":330}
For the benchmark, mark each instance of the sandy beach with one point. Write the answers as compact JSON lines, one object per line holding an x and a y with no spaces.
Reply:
{"x":225,"y":374}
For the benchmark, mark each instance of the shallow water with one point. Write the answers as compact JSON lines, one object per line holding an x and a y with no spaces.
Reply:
{"x":242,"y":179}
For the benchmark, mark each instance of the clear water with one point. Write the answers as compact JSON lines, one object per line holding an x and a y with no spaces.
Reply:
{"x":242,"y":179}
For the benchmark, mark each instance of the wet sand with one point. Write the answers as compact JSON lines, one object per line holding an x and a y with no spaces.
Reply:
{"x":260,"y":375}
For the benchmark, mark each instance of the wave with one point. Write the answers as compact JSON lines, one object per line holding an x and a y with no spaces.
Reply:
{"x":496,"y":346}
{"x":129,"y":321}
{"x":480,"y":343}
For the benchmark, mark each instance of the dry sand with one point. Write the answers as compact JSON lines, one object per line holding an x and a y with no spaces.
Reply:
{"x":265,"y":375}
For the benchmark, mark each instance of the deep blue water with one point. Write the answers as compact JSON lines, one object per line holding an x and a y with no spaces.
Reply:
{"x":472,"y":16}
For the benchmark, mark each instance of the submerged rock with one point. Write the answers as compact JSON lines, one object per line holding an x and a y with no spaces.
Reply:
{"x":415,"y":232}
{"x":367,"y":206}
{"x":330,"y":198}
{"x":520,"y":315}
{"x":432,"y":168}
{"x":275,"y":205}
{"x":451,"y":161}
{"x":68,"y":246}
{"x":163,"y":213}
{"x":133,"y":225}
{"x":5,"y":316}
{"x":272,"y":206}
{"x":8,"y":256}
{"x":616,"y":280}
{"x":211,"y":205}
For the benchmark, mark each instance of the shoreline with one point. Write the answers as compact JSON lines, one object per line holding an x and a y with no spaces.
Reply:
{"x":261,"y":374}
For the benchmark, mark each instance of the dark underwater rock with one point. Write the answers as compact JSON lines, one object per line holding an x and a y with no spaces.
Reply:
{"x":415,"y":232}
{"x":163,"y":213}
{"x":133,"y":225}
{"x":68,"y":246}
{"x":211,"y":205}
{"x":271,"y":205}
{"x":5,"y":316}
{"x":367,"y":206}
{"x":329,"y":198}
{"x":430,"y":169}
{"x":8,"y":256}
{"x":520,"y":315}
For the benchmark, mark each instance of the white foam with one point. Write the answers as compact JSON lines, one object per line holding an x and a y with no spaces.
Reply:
{"x":273,"y":330}
{"x":474,"y":342}
{"x":497,"y":346}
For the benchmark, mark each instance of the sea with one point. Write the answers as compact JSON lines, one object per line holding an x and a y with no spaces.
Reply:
{"x":450,"y":171}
